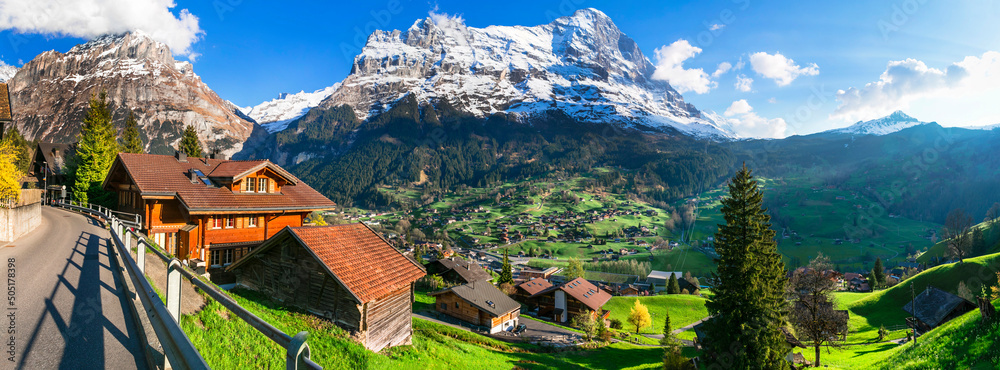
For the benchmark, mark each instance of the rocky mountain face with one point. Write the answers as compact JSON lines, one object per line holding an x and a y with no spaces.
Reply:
{"x":582,"y":65}
{"x":50,"y":94}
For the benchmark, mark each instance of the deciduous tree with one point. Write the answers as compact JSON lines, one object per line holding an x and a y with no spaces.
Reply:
{"x":574,"y":270}
{"x":956,"y":231}
{"x":639,"y":317}
{"x":813,"y":313}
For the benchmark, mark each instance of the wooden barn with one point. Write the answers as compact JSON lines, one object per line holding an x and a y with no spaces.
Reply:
{"x":457,"y":270}
{"x":6,"y":116}
{"x":345,"y":273}
{"x":935,"y":307}
{"x":479,"y":303}
{"x":210,"y":210}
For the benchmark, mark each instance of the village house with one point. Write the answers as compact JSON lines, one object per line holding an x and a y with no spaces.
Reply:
{"x":6,"y":116}
{"x":479,"y":303}
{"x":562,"y":302}
{"x":345,"y":273}
{"x":533,"y":273}
{"x":530,"y":288}
{"x":48,"y":163}
{"x":660,"y":278}
{"x":210,"y":210}
{"x":457,"y":270}
{"x":935,"y":307}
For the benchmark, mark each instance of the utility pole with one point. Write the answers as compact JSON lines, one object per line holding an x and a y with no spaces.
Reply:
{"x":913,"y":306}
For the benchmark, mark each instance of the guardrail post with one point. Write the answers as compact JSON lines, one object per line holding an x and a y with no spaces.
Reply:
{"x":127,"y":239}
{"x":298,"y":352}
{"x":140,"y":255}
{"x":174,"y":289}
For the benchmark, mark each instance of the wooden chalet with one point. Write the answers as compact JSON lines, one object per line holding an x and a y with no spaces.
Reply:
{"x":529,"y":288}
{"x":563,"y":302}
{"x":48,"y":163}
{"x":457,"y":270}
{"x":479,"y":303}
{"x":214,"y":210}
{"x":935,"y":307}
{"x":345,"y":273}
{"x":531,"y":273}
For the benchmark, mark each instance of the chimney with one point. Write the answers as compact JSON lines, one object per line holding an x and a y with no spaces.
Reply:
{"x":194,"y":178}
{"x":181,"y":156}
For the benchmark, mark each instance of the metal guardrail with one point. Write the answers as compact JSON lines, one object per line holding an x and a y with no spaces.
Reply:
{"x":178,"y":350}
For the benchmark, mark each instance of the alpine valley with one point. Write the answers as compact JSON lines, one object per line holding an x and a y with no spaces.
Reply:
{"x":446,"y":105}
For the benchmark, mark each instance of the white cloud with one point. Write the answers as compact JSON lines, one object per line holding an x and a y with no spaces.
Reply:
{"x":90,"y":18}
{"x":772,"y":100}
{"x":716,"y":27}
{"x":744,"y":83}
{"x":669,"y":67}
{"x":722,"y":69}
{"x":738,"y":107}
{"x":965,"y":90}
{"x":747,"y":123}
{"x":779,"y":68}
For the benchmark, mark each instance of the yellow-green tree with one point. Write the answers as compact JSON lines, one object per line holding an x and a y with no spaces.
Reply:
{"x":10,"y":174}
{"x":638,"y":316}
{"x":96,"y":150}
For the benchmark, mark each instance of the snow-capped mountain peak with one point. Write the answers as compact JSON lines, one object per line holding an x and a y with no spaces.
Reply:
{"x":7,"y":71}
{"x":581,"y":64}
{"x":881,"y":126}
{"x":276,"y":114}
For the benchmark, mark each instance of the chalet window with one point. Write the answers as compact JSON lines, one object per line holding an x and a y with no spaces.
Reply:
{"x":286,"y":252}
{"x":262,"y":185}
{"x":252,"y":221}
{"x":444,"y":306}
{"x":227,"y":256}
{"x":230,"y":222}
{"x":216,"y":222}
{"x":456,"y":304}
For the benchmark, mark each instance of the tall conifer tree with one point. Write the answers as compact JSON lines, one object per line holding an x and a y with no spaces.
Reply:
{"x":506,"y":275}
{"x":749,"y":305}
{"x":131,"y":142}
{"x":190,"y":144}
{"x":96,"y":150}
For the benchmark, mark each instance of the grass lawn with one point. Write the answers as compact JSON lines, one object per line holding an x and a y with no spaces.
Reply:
{"x":683,"y":310}
{"x":229,"y":343}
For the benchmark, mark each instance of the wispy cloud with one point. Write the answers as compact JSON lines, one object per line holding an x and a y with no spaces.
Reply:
{"x":747,"y":123}
{"x":744,"y":83}
{"x":779,"y":68}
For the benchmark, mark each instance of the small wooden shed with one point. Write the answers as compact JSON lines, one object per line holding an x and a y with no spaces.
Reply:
{"x":345,"y":273}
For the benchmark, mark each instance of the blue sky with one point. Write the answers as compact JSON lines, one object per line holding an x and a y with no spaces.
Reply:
{"x":799,"y":54}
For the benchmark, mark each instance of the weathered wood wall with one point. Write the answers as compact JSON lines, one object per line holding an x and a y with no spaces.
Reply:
{"x":458,"y":308}
{"x":388,"y":320}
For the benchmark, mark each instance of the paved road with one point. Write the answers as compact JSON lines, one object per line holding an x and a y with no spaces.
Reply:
{"x":69,"y":312}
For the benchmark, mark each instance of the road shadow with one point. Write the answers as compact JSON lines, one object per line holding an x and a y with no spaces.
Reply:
{"x":84,"y":332}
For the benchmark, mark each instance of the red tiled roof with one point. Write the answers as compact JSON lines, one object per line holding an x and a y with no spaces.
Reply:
{"x":165,"y":175}
{"x":364,"y":262}
{"x":585,"y":292}
{"x":534,"y":286}
{"x":235,"y":170}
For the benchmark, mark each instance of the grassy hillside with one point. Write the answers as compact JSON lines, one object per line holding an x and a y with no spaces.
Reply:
{"x":960,"y":343}
{"x":229,"y":343}
{"x":683,"y":310}
{"x":991,"y":236}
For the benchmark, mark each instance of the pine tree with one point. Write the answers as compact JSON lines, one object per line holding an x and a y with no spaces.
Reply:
{"x":673,"y":287}
{"x":131,"y":142}
{"x":668,"y":332}
{"x":190,"y":144}
{"x":749,"y":305}
{"x":506,"y":276}
{"x":96,"y":150}
{"x":878,"y":273}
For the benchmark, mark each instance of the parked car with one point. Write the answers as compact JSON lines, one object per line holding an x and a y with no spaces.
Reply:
{"x":520,"y":329}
